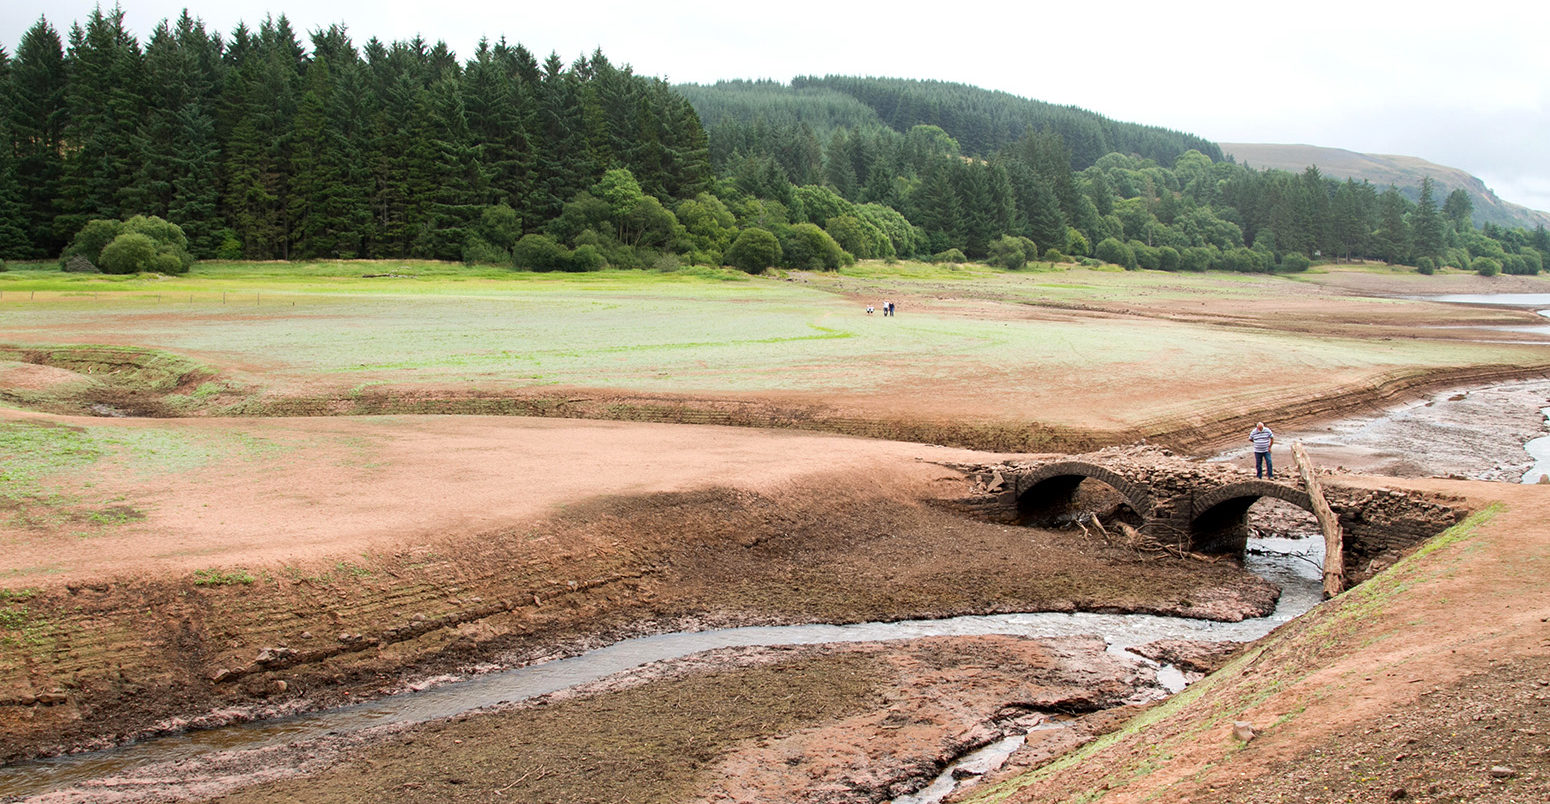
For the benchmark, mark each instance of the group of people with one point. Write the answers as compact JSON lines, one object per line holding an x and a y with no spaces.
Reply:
{"x":887,"y":308}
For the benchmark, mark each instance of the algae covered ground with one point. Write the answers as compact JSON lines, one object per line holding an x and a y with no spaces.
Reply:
{"x":1069,"y":358}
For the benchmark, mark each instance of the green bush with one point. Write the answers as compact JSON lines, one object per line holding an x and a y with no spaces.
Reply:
{"x":1076,"y":242}
{"x":540,"y":253}
{"x":1521,"y":264}
{"x":1012,"y":253}
{"x":1295,"y":261}
{"x":1243,"y":260}
{"x":952,"y":256}
{"x":808,"y":247}
{"x":1426,"y":265}
{"x":230,"y":247}
{"x":477,"y":250}
{"x":1055,"y":256}
{"x":1199,"y":258}
{"x":1168,"y":258}
{"x":587,"y":258}
{"x":1485,"y":266}
{"x":754,"y":250}
{"x":169,"y":246}
{"x":91,"y":240}
{"x":1146,"y":256}
{"x":129,"y":253}
{"x":1110,"y":250}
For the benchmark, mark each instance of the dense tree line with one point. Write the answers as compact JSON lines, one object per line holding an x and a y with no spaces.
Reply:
{"x":1154,"y":200}
{"x":257,"y":148}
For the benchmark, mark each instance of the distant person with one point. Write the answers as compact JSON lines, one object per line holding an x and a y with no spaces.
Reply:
{"x":1262,"y":438}
{"x":887,"y":308}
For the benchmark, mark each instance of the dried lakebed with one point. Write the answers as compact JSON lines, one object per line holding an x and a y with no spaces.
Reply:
{"x":215,"y":762}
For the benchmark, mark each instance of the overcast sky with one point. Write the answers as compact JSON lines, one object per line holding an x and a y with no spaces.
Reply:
{"x":1463,"y":84}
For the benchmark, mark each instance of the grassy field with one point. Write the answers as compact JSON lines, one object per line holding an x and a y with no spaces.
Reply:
{"x":968,"y":340}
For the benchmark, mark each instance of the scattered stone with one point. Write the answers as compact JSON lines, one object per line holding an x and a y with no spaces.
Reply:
{"x":1243,"y":730}
{"x":53,"y":698}
{"x":1502,"y":772}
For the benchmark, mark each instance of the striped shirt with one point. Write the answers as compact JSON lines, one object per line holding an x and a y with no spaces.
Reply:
{"x":1261,"y":438}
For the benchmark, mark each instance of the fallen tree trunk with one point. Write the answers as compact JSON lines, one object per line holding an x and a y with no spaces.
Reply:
{"x":1334,"y":560}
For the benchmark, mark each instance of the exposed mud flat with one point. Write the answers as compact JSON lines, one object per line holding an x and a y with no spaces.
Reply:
{"x":847,"y":723}
{"x":1474,"y":433}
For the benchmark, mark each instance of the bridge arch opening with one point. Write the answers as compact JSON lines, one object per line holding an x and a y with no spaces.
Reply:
{"x":1064,"y":494}
{"x":1227,"y":518}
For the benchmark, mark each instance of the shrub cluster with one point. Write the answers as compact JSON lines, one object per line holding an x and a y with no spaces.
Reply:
{"x":140,"y":244}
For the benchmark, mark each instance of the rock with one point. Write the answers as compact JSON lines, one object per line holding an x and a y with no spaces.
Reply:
{"x":274,"y":655}
{"x":53,"y":698}
{"x":1243,"y":730}
{"x":1188,"y":655}
{"x":1502,"y":772}
{"x":281,"y":686}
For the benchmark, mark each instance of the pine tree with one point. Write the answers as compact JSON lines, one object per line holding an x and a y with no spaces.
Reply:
{"x":457,"y":181}
{"x":1392,"y":238}
{"x":495,"y":100}
{"x":36,"y":117}
{"x":195,"y":160}
{"x":105,"y":101}
{"x":259,"y":102}
{"x":14,"y":242}
{"x":1426,"y":225}
{"x":936,"y":208}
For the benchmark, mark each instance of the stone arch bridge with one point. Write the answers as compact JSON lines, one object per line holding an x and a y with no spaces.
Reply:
{"x":1202,"y":507}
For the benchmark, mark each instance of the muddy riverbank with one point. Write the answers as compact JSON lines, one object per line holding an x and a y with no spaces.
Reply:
{"x":620,"y":567}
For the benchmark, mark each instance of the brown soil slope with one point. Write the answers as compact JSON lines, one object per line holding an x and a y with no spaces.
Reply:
{"x":1428,"y":683}
{"x":121,"y":656}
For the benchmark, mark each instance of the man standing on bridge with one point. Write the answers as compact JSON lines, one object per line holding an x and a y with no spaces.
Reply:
{"x":1262,"y":438}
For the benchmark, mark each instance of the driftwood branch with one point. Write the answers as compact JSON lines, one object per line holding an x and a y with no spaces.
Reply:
{"x":1334,"y":556}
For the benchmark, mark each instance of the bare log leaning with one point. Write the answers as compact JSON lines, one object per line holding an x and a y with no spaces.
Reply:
{"x":1334,"y":556}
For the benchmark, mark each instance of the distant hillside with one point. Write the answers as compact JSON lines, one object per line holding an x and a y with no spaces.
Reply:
{"x":1404,"y":172}
{"x":982,"y":121}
